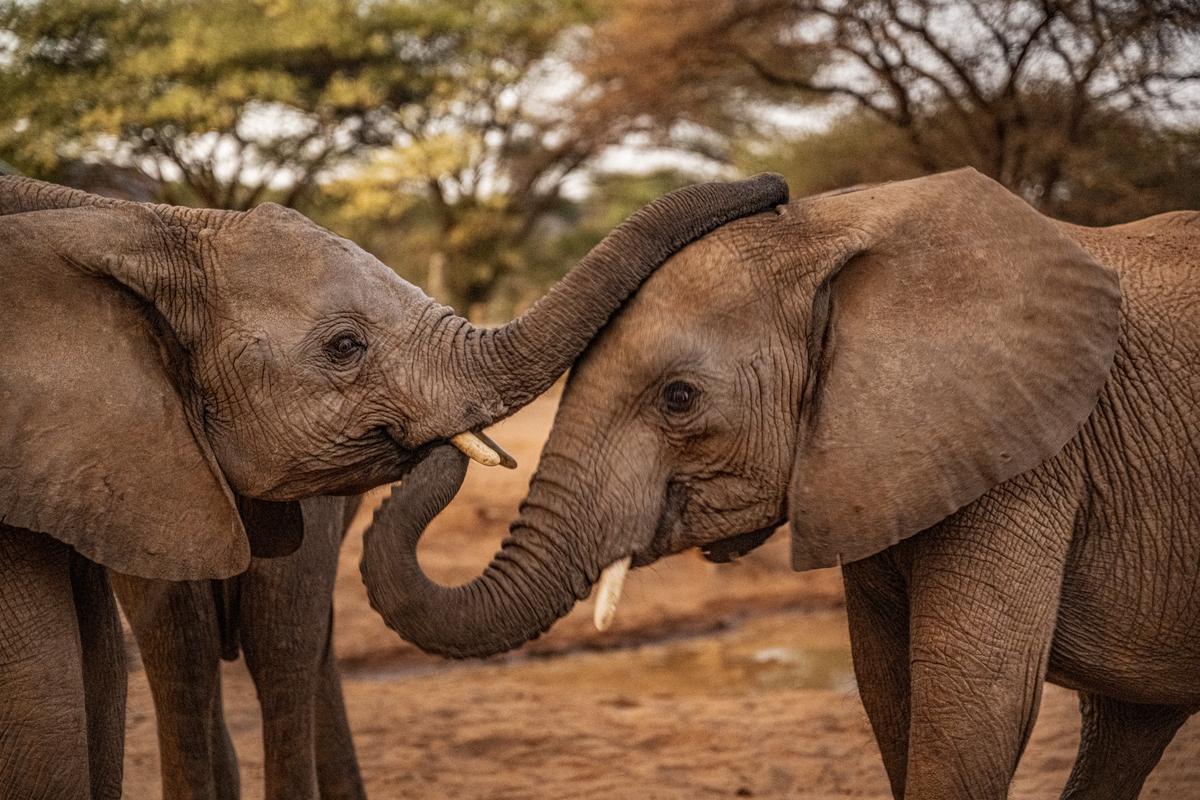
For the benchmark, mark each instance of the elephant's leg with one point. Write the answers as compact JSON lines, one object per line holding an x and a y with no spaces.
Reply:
{"x":43,"y":705}
{"x":284,"y":621}
{"x":284,"y":673}
{"x":105,"y":680}
{"x":176,"y":629}
{"x":877,"y":607}
{"x":224,"y":756}
{"x":983,"y":601}
{"x":337,"y":764}
{"x":1118,"y":746}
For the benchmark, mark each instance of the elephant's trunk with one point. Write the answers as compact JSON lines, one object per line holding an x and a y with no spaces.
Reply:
{"x":532,"y":581}
{"x":511,"y":365}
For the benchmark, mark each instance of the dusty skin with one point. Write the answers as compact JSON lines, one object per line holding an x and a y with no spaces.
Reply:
{"x":714,"y":681}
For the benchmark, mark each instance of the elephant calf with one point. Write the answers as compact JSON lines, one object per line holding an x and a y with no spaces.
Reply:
{"x":988,"y":418}
{"x":174,"y":380}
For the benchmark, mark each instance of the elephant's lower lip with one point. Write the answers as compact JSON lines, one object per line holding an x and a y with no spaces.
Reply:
{"x":732,"y":548}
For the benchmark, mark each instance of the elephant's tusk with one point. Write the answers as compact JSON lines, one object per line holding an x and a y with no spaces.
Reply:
{"x":506,"y":461}
{"x":476,"y":449}
{"x":608,"y":592}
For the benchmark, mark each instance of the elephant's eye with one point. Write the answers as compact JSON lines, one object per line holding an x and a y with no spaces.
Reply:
{"x":345,"y":347}
{"x":679,"y":396}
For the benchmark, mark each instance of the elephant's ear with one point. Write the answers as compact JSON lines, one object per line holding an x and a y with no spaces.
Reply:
{"x":962,"y":339}
{"x":100,"y":446}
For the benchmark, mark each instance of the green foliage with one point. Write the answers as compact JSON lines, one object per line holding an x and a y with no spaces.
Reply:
{"x":373,"y":114}
{"x":234,"y":97}
{"x":481,"y":161}
{"x":229,"y":97}
{"x":440,"y":133}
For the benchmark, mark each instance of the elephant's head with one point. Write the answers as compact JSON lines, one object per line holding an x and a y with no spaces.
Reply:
{"x":156,"y":362}
{"x":860,"y":365}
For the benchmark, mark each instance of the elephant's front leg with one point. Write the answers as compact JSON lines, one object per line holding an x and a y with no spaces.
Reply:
{"x":1119,"y":745}
{"x":285,"y":613}
{"x":275,"y":644}
{"x":877,"y":608}
{"x":105,"y":679}
{"x":338,"y":775}
{"x":983,"y":600}
{"x":44,"y":728}
{"x":176,"y":629}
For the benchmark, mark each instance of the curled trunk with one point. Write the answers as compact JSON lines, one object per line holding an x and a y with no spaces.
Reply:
{"x":529,"y":584}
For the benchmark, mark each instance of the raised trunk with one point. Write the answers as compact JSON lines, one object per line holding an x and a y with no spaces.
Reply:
{"x":530,"y":583}
{"x":19,"y":194}
{"x":511,"y":365}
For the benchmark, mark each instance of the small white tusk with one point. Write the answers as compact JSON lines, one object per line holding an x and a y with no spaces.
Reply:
{"x":608,"y":592}
{"x":476,"y":449}
{"x":506,"y":461}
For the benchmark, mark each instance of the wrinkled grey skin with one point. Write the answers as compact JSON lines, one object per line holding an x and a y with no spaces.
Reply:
{"x":172,"y":380}
{"x":989,"y":418}
{"x":279,"y":613}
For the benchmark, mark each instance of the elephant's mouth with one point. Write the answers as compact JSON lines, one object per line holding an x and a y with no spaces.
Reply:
{"x":671,"y":536}
{"x":386,"y":461}
{"x":732,"y":548}
{"x":612,"y":577}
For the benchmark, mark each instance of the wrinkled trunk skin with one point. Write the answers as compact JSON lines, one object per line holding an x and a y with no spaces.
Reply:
{"x":535,"y":578}
{"x":511,"y":365}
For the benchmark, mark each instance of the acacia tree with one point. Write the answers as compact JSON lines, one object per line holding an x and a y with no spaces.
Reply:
{"x":433,"y":117}
{"x":483,"y":160}
{"x":220,"y":102}
{"x":1012,"y":87}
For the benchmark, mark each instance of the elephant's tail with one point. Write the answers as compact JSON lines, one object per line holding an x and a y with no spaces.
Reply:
{"x":227,"y":598}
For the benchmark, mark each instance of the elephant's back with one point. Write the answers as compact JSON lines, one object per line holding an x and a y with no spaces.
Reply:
{"x":1158,"y":256}
{"x":1157,"y":369}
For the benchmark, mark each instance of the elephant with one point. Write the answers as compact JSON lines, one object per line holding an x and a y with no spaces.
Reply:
{"x":986,"y":417}
{"x":279,"y":613}
{"x":174,"y":380}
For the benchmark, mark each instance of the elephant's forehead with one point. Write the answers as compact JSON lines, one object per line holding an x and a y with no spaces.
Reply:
{"x":700,"y":304}
{"x":711,"y":274}
{"x":306,"y":269}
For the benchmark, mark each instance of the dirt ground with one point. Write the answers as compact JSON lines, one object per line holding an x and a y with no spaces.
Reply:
{"x":714,"y":681}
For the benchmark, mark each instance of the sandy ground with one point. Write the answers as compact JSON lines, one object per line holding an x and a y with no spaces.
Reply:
{"x":715,"y":681}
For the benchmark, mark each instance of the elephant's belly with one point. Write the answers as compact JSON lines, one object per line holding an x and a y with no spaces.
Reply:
{"x":1130,"y":629}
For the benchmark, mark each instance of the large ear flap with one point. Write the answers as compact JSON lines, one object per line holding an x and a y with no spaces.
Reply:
{"x":962,"y":339}
{"x":99,"y":446}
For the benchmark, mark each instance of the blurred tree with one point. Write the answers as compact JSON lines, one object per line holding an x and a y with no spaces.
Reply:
{"x":1120,"y":169}
{"x":1014,"y":88}
{"x":574,"y":228}
{"x":449,"y":118}
{"x":856,"y":148}
{"x":480,"y":164}
{"x":220,"y":102}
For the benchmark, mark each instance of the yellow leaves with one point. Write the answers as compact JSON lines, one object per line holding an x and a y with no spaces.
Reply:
{"x":440,"y":154}
{"x":373,"y":193}
{"x":274,"y":9}
{"x":346,"y":91}
{"x":368,"y":202}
